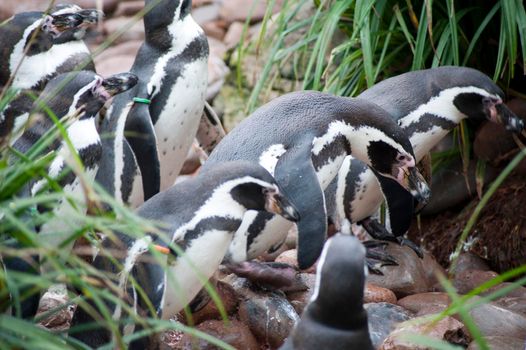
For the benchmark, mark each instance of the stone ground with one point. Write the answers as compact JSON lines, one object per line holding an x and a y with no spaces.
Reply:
{"x":261,"y":319}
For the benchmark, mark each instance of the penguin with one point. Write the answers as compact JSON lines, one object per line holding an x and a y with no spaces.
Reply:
{"x":199,"y":216}
{"x":301,"y":138}
{"x":28,"y":62}
{"x":82,"y":93}
{"x":160,"y":116}
{"x":335,"y":318}
{"x":427,"y":104}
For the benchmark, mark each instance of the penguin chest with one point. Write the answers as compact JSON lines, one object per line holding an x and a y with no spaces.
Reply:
{"x":179,"y":118}
{"x":186,"y":276}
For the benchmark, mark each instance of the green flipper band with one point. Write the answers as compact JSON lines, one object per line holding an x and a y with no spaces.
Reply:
{"x":142,"y":100}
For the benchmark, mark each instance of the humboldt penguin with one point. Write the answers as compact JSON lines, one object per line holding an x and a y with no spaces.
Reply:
{"x":197,"y":219}
{"x":427,"y":104}
{"x":160,"y":116}
{"x":36,"y":48}
{"x":302,"y":138}
{"x":79,"y":96}
{"x":335,"y":318}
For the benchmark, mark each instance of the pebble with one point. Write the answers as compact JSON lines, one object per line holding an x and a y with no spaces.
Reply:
{"x":495,"y":320}
{"x":383,"y":319}
{"x":470,"y":279}
{"x":375,"y":294}
{"x":425,"y":303}
{"x":239,"y":10}
{"x":470,"y":261}
{"x":300,"y":299}
{"x":131,"y":29}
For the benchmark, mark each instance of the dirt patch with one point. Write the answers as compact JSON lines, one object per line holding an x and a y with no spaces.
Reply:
{"x":498,"y":236}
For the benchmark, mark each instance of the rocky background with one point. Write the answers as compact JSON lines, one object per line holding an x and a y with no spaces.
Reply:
{"x":262,"y":319}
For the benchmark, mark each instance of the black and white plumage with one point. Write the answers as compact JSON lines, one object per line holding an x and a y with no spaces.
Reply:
{"x":335,"y":318}
{"x":173,"y":72}
{"x":427,"y":104}
{"x":200,"y":216}
{"x":83,"y":94}
{"x":30,"y":62}
{"x":302,"y":138}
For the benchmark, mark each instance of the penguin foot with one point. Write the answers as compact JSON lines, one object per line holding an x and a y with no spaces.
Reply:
{"x":269,"y":275}
{"x":377,"y":230}
{"x":376,"y":256}
{"x":408,"y":243}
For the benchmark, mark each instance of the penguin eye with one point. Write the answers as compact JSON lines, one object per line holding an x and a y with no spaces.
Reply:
{"x":401,"y":157}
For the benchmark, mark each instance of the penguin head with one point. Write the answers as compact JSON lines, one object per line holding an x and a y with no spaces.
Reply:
{"x":82,"y":91}
{"x":254,"y":188}
{"x":80,"y":20}
{"x":340,"y":278}
{"x":392,"y":156}
{"x":482,"y":104}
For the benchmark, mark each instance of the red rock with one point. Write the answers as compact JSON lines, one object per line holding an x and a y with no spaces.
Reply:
{"x":375,"y":294}
{"x":470,"y":279}
{"x":239,"y":10}
{"x":108,"y":6}
{"x":234,"y":333}
{"x":290,"y":257}
{"x":233,"y":35}
{"x":214,"y":29}
{"x":425,"y":303}
{"x":129,"y":8}
{"x":447,"y":329}
{"x":131,"y":28}
{"x":469,"y":261}
{"x":116,"y":59}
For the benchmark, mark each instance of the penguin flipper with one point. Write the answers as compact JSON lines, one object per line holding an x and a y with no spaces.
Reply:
{"x":140,"y":134}
{"x":297,"y":177}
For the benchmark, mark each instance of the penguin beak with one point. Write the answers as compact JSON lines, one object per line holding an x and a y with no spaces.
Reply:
{"x":276,"y":203}
{"x":498,"y":112}
{"x":413,"y":181}
{"x":118,"y":83}
{"x":91,"y":16}
{"x":64,"y":22}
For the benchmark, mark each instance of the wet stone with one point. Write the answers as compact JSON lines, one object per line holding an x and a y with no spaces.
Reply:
{"x":470,"y":261}
{"x":495,"y":320}
{"x":300,"y":299}
{"x":425,"y":303}
{"x":500,"y":343}
{"x":412,"y":275}
{"x":270,"y":318}
{"x":375,"y":294}
{"x":383,"y":319}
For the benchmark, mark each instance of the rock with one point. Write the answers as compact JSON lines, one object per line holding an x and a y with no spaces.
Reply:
{"x":469,"y":279}
{"x":447,"y":329}
{"x":449,"y":186}
{"x":425,"y":303}
{"x":289,"y":257}
{"x":292,"y":238}
{"x":493,"y":143}
{"x":234,"y":333}
{"x":269,"y":317}
{"x":515,"y":304}
{"x":108,"y":6}
{"x":494,"y":320}
{"x":130,"y":28}
{"x":210,"y":310}
{"x":500,"y":343}
{"x":214,"y":29}
{"x":300,"y":299}
{"x":239,"y":10}
{"x":375,"y":294}
{"x":205,"y":14}
{"x":192,"y":162}
{"x":217,"y":69}
{"x":412,"y":275}
{"x":129,"y":8}
{"x":59,"y":319}
{"x":383,"y":319}
{"x":116,"y":59}
{"x":10,"y":7}
{"x":470,"y":261}
{"x":233,"y":35}
{"x":198,"y":3}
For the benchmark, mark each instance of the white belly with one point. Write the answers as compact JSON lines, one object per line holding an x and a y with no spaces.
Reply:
{"x":178,"y":122}
{"x":189,"y":274}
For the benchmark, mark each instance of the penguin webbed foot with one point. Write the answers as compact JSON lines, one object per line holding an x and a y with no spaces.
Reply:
{"x":409,"y":243}
{"x":269,"y":275}
{"x":376,"y":256}
{"x":377,"y":230}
